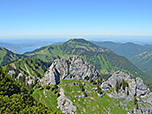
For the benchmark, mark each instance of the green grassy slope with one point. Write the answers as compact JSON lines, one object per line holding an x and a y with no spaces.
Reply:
{"x":103,"y":59}
{"x":88,"y":105}
{"x":6,"y":56}
{"x":139,"y":55}
{"x":127,"y":50}
{"x":28,"y":66}
{"x":144,"y":61}
{"x":50,"y":101}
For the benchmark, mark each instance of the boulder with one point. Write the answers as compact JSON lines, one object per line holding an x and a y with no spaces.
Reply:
{"x":105,"y":86}
{"x":141,"y":88}
{"x":100,"y":95}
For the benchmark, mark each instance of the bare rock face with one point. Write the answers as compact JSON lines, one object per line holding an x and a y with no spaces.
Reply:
{"x":65,"y":104}
{"x":71,"y":68}
{"x":117,"y":76}
{"x":12,"y":73}
{"x":136,"y":86}
{"x":29,"y":80}
{"x":141,"y":88}
{"x":20,"y":77}
{"x":51,"y":76}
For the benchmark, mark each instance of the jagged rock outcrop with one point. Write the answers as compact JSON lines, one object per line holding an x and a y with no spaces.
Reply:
{"x":71,"y":68}
{"x":31,"y":80}
{"x":118,"y":76}
{"x":28,"y":80}
{"x":12,"y":73}
{"x":65,"y":104}
{"x":20,"y":77}
{"x":136,"y":86}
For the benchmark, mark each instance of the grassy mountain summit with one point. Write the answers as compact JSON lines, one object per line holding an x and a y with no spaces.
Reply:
{"x":104,"y":59}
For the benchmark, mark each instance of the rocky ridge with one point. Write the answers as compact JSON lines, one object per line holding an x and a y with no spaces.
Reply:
{"x":75,"y":68}
{"x":136,"y":89}
{"x":71,"y":68}
{"x":136,"y":85}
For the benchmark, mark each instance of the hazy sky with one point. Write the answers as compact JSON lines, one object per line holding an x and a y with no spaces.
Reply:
{"x":68,"y":18}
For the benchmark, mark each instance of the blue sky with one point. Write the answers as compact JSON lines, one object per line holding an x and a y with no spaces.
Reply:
{"x":72,"y":18}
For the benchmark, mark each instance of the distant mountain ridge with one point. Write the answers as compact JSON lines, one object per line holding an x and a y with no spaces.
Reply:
{"x":104,"y":59}
{"x":10,"y":46}
{"x":139,"y":55}
{"x":144,"y":61}
{"x":21,"y":46}
{"x":7,"y":56}
{"x":127,"y":50}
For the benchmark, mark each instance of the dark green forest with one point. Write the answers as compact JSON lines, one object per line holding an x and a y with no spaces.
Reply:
{"x":16,"y":98}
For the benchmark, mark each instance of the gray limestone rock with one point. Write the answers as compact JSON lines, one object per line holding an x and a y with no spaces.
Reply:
{"x":105,"y":86}
{"x":71,"y":68}
{"x":65,"y":104}
{"x":20,"y":77}
{"x":141,"y":88}
{"x":118,"y":76}
{"x":100,"y":95}
{"x":136,"y":86}
{"x":12,"y":73}
{"x":30,"y":80}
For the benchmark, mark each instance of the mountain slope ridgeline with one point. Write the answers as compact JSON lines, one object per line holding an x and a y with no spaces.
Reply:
{"x":104,"y":59}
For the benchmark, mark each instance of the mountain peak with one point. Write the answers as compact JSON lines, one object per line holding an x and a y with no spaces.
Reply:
{"x":78,"y":40}
{"x":81,"y":41}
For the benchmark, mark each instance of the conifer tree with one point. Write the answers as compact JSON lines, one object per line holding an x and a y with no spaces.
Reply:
{"x":90,"y":79}
{"x":137,"y":106}
{"x":81,"y":86}
{"x":127,"y":92}
{"x":123,"y":84}
{"x":135,"y":100}
{"x":117,"y":86}
{"x":98,"y":89}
